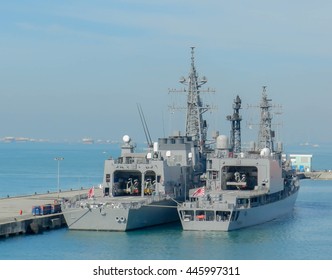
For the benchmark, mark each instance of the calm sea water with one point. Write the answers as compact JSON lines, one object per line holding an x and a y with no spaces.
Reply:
{"x":25,"y":168}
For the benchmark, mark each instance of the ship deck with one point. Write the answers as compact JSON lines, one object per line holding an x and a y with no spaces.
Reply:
{"x":114,"y":201}
{"x":240,"y":193}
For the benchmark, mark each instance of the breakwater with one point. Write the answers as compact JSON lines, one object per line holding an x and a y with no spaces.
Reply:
{"x":316,"y":175}
{"x":18,"y":214}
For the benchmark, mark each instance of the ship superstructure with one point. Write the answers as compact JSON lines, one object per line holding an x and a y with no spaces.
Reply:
{"x":242,"y":188}
{"x":143,"y":189}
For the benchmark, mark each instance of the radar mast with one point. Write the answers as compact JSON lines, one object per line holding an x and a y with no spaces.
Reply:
{"x":196,"y":126}
{"x":266,"y":134}
{"x":235,"y":120}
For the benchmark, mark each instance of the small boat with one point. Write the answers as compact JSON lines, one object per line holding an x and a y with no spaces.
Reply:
{"x":87,"y":141}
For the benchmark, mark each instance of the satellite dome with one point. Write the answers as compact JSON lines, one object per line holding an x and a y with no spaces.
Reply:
{"x":265,"y":152}
{"x":126,"y":139}
{"x":222,"y":142}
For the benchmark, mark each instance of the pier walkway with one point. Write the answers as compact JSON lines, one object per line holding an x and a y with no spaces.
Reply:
{"x":16,"y":212}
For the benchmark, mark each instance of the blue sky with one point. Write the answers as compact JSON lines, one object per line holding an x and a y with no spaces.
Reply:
{"x":74,"y":69}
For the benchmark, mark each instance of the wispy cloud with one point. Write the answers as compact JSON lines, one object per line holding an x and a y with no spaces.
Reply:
{"x":284,"y":27}
{"x":49,"y":28}
{"x":82,"y":47}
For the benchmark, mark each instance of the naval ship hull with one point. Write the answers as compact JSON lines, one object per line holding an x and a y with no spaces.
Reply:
{"x":240,"y":217}
{"x":99,"y":218}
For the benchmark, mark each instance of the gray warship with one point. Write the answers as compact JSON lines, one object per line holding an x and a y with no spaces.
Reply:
{"x":143,"y":189}
{"x":243,"y":188}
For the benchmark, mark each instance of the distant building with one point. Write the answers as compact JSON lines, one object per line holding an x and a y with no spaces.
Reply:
{"x":301,"y":163}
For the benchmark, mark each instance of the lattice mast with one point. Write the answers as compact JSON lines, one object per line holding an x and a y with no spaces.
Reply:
{"x":196,"y":126}
{"x":266,"y":134}
{"x":235,"y":119}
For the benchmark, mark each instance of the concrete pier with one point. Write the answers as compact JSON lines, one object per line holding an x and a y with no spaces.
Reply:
{"x":16,"y":212}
